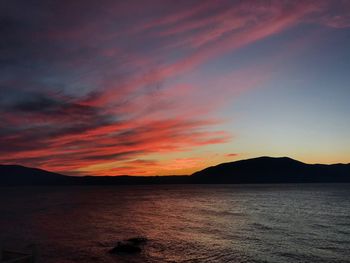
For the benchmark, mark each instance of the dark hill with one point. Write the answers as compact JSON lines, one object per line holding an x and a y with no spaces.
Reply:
{"x":21,"y":175}
{"x":273,"y":170}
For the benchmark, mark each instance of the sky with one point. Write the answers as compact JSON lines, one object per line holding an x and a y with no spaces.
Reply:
{"x":165,"y":87}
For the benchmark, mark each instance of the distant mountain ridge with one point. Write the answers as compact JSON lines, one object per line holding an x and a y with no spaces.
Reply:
{"x":256,"y":170}
{"x":17,"y":175}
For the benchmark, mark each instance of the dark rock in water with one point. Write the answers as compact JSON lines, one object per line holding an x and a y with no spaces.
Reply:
{"x":125,"y":248}
{"x":129,"y":246}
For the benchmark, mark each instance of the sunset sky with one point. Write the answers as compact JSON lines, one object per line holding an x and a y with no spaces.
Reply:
{"x":169,"y":87}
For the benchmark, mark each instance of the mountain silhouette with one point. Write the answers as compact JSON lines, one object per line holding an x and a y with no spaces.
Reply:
{"x":273,"y":170}
{"x":21,"y":175}
{"x":257,"y":170}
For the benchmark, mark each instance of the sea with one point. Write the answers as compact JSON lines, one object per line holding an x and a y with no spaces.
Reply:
{"x":182,"y":223}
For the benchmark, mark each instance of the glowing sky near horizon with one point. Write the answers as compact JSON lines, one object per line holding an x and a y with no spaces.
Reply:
{"x":170,"y":87}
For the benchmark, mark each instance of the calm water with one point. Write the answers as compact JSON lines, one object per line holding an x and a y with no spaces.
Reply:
{"x":267,"y":223}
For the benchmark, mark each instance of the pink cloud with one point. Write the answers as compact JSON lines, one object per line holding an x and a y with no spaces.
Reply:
{"x":231,"y":155}
{"x":107,"y":85}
